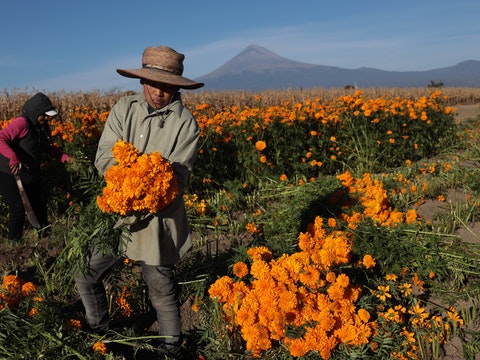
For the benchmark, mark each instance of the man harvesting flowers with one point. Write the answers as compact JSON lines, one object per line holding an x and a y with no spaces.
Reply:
{"x":145,"y":129}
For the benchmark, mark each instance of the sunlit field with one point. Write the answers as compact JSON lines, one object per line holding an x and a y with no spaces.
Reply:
{"x":327,"y":225}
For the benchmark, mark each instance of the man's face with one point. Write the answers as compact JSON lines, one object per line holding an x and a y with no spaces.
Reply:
{"x":43,"y":119}
{"x":158,"y":95}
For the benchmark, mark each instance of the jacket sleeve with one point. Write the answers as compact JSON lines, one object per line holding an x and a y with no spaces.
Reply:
{"x":110,"y":135}
{"x":185,"y":152}
{"x":14,"y":131}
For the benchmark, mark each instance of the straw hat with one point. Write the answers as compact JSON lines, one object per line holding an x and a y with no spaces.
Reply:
{"x":164,"y":65}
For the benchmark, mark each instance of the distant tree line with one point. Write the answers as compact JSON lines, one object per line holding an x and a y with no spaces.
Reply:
{"x":435,"y":84}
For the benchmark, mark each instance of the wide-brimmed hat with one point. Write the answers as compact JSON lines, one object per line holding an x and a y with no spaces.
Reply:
{"x":163,"y":65}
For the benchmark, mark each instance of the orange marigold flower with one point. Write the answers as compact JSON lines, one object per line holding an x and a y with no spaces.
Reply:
{"x":33,"y":312}
{"x":260,"y":145}
{"x":221,"y":289}
{"x":368,"y":261}
{"x":330,"y":277}
{"x":195,"y":307}
{"x":240,"y":269}
{"x":74,"y":324}
{"x":283,"y":177}
{"x":316,"y":163}
{"x":417,"y":281}
{"x":332,"y":222}
{"x":411,"y":216}
{"x":252,"y":228}
{"x":346,"y":178}
{"x":259,"y":269}
{"x":123,"y":303}
{"x":12,"y":283}
{"x":29,"y":288}
{"x":364,"y":315}
{"x":100,"y":347}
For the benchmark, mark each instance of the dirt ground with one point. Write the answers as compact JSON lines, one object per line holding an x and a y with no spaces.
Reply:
{"x":464,"y":112}
{"x":17,"y":259}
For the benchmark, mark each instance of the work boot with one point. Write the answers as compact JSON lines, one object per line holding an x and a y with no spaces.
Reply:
{"x":168,"y":351}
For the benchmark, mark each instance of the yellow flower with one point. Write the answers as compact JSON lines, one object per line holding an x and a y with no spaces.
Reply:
{"x":409,"y":335}
{"x":405,"y":289}
{"x":454,"y":316}
{"x":391,"y":277}
{"x":383,"y":292}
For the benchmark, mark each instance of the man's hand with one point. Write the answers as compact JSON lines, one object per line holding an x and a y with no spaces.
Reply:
{"x":14,"y":168}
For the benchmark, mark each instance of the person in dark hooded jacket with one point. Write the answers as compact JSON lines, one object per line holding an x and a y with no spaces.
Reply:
{"x":22,"y":143}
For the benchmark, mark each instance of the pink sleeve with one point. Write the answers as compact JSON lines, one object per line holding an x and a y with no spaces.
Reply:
{"x":57,"y":153}
{"x":15,"y":130}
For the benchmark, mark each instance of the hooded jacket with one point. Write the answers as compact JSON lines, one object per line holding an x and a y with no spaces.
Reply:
{"x":24,"y":140}
{"x":162,"y":238}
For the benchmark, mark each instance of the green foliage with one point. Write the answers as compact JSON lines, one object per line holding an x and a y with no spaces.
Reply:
{"x":85,"y":228}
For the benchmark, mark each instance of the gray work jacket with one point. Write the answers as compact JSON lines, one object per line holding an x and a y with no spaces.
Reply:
{"x":162,"y":238}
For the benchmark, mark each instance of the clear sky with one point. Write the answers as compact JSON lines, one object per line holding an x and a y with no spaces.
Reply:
{"x":54,"y":45}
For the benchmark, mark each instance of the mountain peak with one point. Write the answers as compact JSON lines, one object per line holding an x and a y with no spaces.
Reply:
{"x":256,"y":59}
{"x":257,"y":50}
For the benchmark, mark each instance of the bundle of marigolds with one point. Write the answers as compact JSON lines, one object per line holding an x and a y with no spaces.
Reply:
{"x":138,"y":182}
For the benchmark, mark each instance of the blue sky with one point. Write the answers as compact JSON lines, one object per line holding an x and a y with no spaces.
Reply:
{"x":54,"y":45}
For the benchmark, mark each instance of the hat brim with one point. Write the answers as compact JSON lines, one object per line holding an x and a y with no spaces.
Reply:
{"x":160,"y":76}
{"x":51,"y":112}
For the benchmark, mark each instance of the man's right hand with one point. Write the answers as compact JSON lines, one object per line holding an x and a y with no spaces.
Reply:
{"x":14,"y":168}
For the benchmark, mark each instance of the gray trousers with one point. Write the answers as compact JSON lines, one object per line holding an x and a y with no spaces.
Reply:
{"x":162,"y":291}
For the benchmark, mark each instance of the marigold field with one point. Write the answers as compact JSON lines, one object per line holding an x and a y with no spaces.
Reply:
{"x":328,"y":224}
